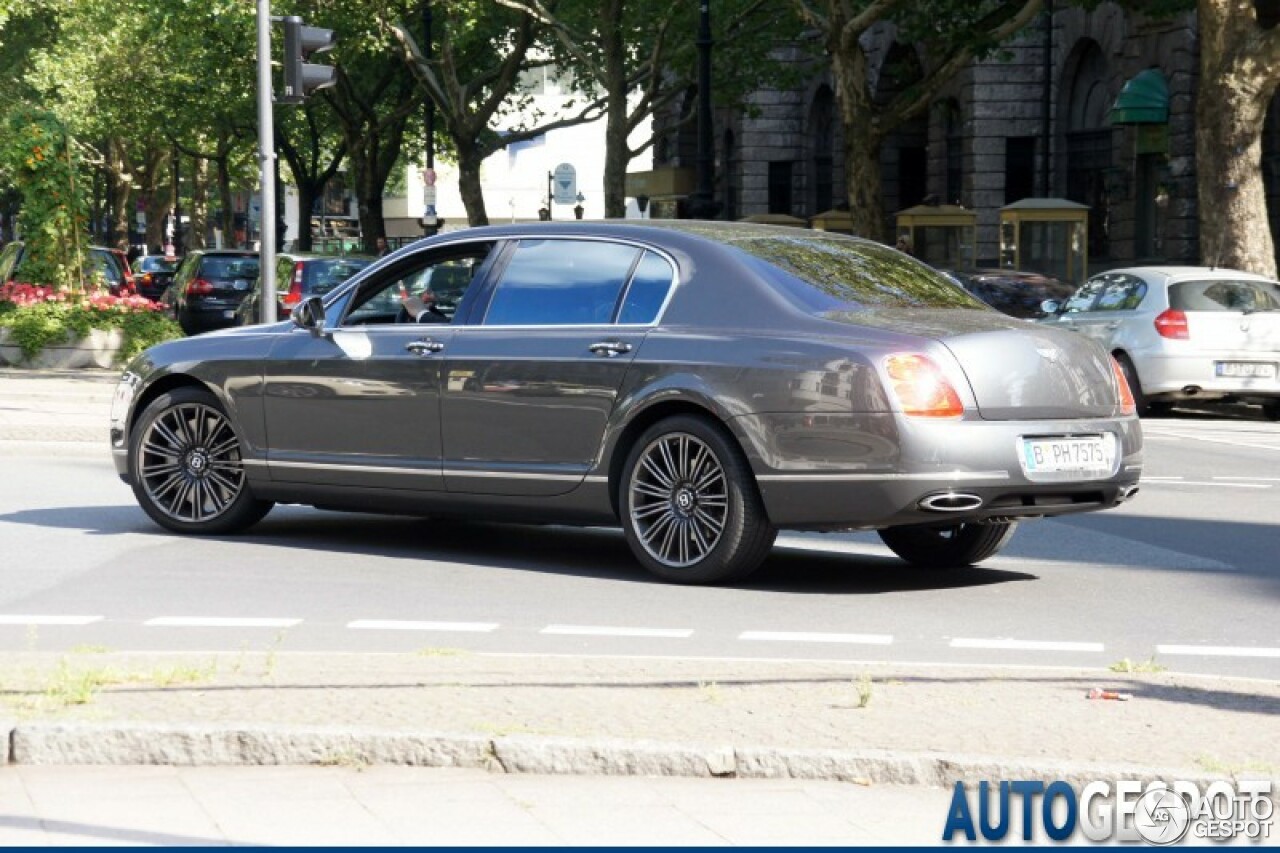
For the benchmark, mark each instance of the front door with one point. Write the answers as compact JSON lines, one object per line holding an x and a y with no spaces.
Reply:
{"x":359,"y":405}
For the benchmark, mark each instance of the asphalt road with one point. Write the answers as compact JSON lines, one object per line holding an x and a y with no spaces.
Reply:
{"x":1186,"y":573}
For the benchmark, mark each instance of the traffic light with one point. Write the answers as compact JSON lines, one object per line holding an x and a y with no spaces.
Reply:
{"x":302,"y":78}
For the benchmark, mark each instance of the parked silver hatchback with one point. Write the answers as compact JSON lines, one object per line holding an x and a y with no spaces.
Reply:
{"x":1183,"y":333}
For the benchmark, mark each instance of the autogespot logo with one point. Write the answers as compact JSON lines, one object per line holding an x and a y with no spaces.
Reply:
{"x":1158,"y":813}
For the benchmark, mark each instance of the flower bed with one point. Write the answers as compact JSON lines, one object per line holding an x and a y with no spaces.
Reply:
{"x":52,"y":327}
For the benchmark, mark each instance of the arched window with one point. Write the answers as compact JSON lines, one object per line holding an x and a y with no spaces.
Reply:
{"x":822,"y":136}
{"x":1088,"y":142}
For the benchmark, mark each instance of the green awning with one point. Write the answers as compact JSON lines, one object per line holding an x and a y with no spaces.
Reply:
{"x":1143,"y":100}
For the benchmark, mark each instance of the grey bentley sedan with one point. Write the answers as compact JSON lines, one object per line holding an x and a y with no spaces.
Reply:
{"x":701,"y":384}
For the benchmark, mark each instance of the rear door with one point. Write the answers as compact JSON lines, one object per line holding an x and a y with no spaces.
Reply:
{"x":533,"y":378}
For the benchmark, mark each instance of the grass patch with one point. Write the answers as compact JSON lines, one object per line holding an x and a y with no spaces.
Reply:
{"x":1149,"y":665}
{"x":865,"y":690}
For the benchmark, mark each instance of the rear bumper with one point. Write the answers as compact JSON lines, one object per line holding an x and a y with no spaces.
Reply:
{"x":909,"y":472}
{"x":1187,"y":376}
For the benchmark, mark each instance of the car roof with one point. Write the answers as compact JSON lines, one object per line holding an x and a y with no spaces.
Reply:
{"x":1172,"y":274}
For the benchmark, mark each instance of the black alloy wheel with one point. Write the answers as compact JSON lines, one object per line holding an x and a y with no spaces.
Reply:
{"x":690,"y":508}
{"x":186,"y":468}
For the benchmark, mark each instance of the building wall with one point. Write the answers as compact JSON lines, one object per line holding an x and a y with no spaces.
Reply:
{"x":1001,"y":108}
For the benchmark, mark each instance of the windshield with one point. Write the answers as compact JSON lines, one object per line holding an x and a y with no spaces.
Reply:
{"x":156,"y":264}
{"x":1225,"y":295}
{"x":823,"y":274}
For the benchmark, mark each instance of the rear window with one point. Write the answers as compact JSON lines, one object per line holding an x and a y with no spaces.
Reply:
{"x":222,"y":266}
{"x":319,"y":277}
{"x":1225,"y":295}
{"x":153,"y":263}
{"x":828,"y":275}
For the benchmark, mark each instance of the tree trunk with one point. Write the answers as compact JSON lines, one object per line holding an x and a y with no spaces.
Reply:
{"x":228,"y":223}
{"x":196,"y":238}
{"x":470,"y":188}
{"x":369,"y":202}
{"x":118,"y":192}
{"x":308,"y":192}
{"x":617,"y":154}
{"x":860,"y":120}
{"x":1231,"y":107}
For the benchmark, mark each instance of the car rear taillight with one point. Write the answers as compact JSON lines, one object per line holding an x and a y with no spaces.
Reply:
{"x":199,"y":287}
{"x":921,"y":388}
{"x":294,"y":296}
{"x":1173,"y":324}
{"x":146,"y":279}
{"x":1127,"y":404}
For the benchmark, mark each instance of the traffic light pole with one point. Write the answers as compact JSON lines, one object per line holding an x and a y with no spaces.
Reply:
{"x":266,"y":170}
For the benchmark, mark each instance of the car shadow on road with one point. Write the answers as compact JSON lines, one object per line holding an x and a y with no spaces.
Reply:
{"x":592,"y":552}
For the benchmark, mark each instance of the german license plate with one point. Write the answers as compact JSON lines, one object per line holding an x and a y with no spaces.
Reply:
{"x":1245,"y":369}
{"x":1069,"y":457}
{"x":228,"y":314}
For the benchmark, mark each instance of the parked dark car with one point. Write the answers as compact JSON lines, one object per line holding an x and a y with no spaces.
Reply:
{"x":152,"y":274}
{"x":208,"y":287}
{"x":1014,"y":292}
{"x":107,"y":268}
{"x":299,"y":276}
{"x":701,"y":384}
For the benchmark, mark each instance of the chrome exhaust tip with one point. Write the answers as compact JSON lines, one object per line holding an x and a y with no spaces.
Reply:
{"x":1127,"y":492}
{"x":950,"y":502}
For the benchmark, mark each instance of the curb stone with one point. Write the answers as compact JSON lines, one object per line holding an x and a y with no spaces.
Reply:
{"x":189,"y":745}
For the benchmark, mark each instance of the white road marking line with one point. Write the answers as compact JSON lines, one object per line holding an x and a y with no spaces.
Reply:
{"x":218,"y":622}
{"x":1252,"y":479}
{"x":817,"y":637}
{"x":408,"y":625}
{"x":1024,"y":645}
{"x":603,"y":631}
{"x":1232,"y":442}
{"x":1178,"y":481}
{"x":18,"y":619}
{"x":1220,"y":651}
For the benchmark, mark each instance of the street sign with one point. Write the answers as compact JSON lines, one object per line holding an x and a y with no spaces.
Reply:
{"x":429,"y":177}
{"x":564,"y":184}
{"x":429,"y":195}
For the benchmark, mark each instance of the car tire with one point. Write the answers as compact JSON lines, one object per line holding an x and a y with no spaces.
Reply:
{"x":186,"y":467}
{"x":949,"y":547}
{"x":690,"y":508}
{"x":1271,"y":410}
{"x":1140,"y":403}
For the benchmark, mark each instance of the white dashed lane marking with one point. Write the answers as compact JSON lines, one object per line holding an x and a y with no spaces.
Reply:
{"x":602,"y":631}
{"x":18,"y":619}
{"x":976,"y":643}
{"x":812,"y":637}
{"x":1005,"y":644}
{"x":1179,"y":481}
{"x":218,"y":622}
{"x":1220,"y":651}
{"x":407,"y":625}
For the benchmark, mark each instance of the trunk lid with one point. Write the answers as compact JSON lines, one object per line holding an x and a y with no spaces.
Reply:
{"x":1017,"y":370}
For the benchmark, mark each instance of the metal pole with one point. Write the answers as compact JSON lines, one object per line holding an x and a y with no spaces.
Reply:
{"x":266,"y":172}
{"x":429,"y":228}
{"x":702,"y":204}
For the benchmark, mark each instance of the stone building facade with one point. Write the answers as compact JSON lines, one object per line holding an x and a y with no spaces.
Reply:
{"x":1035,"y":120}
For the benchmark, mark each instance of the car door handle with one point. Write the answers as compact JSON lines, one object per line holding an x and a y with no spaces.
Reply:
{"x":609,"y":349}
{"x":424,"y":348}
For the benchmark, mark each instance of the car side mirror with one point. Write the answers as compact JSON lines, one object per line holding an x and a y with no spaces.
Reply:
{"x":309,"y":314}
{"x":1050,"y":306}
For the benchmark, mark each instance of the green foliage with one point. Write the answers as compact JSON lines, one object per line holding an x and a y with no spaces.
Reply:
{"x":35,"y":326}
{"x":37,"y":155}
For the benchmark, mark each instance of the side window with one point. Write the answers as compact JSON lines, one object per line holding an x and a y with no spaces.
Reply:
{"x":648,"y":290}
{"x":424,"y":289}
{"x":561,"y":283}
{"x":1084,"y":298}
